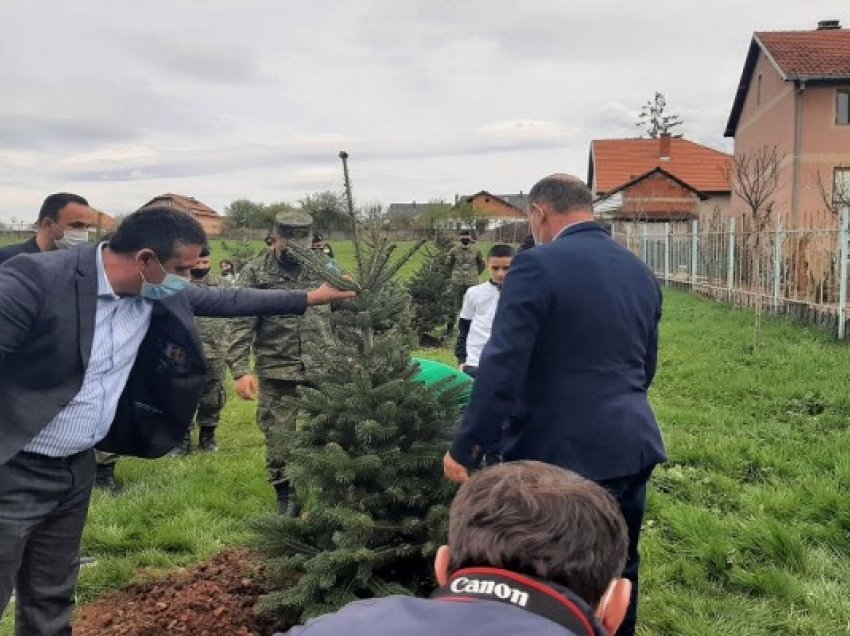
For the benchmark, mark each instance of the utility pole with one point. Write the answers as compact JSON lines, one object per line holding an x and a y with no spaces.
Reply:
{"x":350,"y":200}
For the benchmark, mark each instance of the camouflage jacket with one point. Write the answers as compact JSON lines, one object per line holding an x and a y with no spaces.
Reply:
{"x":214,"y":333}
{"x":283,"y":346}
{"x":467,"y":263}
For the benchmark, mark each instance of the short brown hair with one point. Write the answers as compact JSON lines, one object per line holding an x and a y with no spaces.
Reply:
{"x":542,"y":521}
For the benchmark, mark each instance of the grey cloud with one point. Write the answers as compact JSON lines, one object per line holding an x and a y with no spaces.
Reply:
{"x":224,"y":160}
{"x":197,"y":58}
{"x":84,"y":113}
{"x":31,"y":131}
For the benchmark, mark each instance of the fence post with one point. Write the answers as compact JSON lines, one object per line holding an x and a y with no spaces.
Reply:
{"x":667,"y":253}
{"x":644,"y":248}
{"x":844,"y":236}
{"x":694,"y":251}
{"x":777,"y":263}
{"x":730,"y":266}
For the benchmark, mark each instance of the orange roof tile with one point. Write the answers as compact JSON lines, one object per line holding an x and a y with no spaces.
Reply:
{"x":808,"y":54}
{"x":618,"y":161}
{"x":182,"y":202}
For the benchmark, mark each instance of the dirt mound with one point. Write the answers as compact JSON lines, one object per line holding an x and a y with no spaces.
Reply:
{"x":213,"y":599}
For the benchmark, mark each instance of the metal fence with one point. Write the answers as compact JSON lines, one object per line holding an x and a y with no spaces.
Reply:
{"x":797,"y":272}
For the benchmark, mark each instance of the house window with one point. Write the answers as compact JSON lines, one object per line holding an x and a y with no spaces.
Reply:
{"x":842,"y":107}
{"x":841,"y":187}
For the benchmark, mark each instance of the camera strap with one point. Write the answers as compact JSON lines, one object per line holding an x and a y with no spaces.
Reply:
{"x":526,"y":593}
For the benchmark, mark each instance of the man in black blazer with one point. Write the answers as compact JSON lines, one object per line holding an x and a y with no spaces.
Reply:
{"x":64,"y":214}
{"x":570,"y":360}
{"x":98,"y":347}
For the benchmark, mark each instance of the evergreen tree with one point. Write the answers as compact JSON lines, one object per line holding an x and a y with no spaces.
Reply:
{"x":366,"y":457}
{"x":430,"y":289}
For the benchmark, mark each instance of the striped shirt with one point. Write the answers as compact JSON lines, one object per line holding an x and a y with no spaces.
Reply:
{"x":120,"y":327}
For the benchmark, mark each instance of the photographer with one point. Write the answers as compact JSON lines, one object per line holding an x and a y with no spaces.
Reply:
{"x":533,"y":549}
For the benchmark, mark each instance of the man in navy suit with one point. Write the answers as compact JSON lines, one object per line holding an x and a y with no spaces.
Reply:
{"x":572,"y":354}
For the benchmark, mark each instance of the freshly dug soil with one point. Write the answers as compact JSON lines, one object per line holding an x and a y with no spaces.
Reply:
{"x":212,"y":599}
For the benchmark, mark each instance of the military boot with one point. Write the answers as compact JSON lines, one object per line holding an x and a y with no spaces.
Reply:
{"x":206,"y":439}
{"x":287,"y":504}
{"x":183,"y":448}
{"x":105,"y":479}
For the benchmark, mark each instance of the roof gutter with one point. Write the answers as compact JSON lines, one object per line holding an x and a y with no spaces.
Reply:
{"x":798,"y":149}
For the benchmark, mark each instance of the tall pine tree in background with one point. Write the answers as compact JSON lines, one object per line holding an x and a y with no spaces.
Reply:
{"x":366,"y":457}
{"x":430,"y":290}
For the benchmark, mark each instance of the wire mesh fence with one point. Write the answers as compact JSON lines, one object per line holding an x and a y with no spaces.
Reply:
{"x":797,"y":272}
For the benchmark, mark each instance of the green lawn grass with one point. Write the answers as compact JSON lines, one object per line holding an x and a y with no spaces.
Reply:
{"x":748,"y":527}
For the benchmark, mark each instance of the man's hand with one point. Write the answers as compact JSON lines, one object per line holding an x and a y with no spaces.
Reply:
{"x":461,"y":366}
{"x":247,"y":387}
{"x":327,"y":294}
{"x":453,"y":471}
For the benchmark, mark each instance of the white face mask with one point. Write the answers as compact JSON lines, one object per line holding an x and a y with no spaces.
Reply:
{"x":72,"y":238}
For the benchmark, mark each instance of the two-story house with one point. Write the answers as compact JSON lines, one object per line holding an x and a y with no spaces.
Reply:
{"x":794,"y":94}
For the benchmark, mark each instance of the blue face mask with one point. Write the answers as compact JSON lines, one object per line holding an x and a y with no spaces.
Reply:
{"x":171,"y":284}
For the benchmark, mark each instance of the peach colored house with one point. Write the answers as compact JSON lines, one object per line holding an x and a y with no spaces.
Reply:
{"x":210,"y":219}
{"x":103,"y":221}
{"x":657,"y":179}
{"x":493,"y":210}
{"x":794,"y":93}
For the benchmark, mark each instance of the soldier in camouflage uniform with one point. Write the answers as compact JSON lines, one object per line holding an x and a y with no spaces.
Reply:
{"x":467,"y":263}
{"x":283,"y":347}
{"x":214,"y":336}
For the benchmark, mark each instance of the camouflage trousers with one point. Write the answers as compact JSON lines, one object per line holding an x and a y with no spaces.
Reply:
{"x":214,"y":396}
{"x":458,"y":292}
{"x":105,"y":459}
{"x":277,"y":417}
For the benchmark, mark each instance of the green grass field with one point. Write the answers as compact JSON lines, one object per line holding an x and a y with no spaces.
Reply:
{"x":748,"y":527}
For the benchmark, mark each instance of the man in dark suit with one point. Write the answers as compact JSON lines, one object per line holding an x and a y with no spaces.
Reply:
{"x":570,"y":360}
{"x":64,"y":221}
{"x":98,"y":347}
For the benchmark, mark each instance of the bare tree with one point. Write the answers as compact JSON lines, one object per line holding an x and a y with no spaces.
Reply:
{"x":654,"y":120}
{"x":835,"y":195}
{"x":754,"y":178}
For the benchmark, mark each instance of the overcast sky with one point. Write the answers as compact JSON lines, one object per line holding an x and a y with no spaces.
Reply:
{"x":120,"y":101}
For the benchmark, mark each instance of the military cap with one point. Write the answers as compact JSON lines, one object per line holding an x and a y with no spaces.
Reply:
{"x":293,"y":223}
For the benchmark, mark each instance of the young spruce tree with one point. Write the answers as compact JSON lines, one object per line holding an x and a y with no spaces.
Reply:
{"x":430,"y":289}
{"x":367,"y":457}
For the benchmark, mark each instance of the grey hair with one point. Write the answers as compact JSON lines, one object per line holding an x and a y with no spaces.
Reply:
{"x":562,"y":192}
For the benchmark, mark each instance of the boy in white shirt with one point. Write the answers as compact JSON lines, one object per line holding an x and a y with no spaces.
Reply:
{"x":479,"y":308}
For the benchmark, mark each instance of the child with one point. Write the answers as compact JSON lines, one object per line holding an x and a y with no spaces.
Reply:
{"x":479,"y":307}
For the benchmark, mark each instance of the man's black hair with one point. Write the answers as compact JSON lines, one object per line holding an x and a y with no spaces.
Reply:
{"x":465,"y":233}
{"x":527,"y":243}
{"x":205,"y":251}
{"x":500,"y":250}
{"x":159,"y":228}
{"x":55,"y":202}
